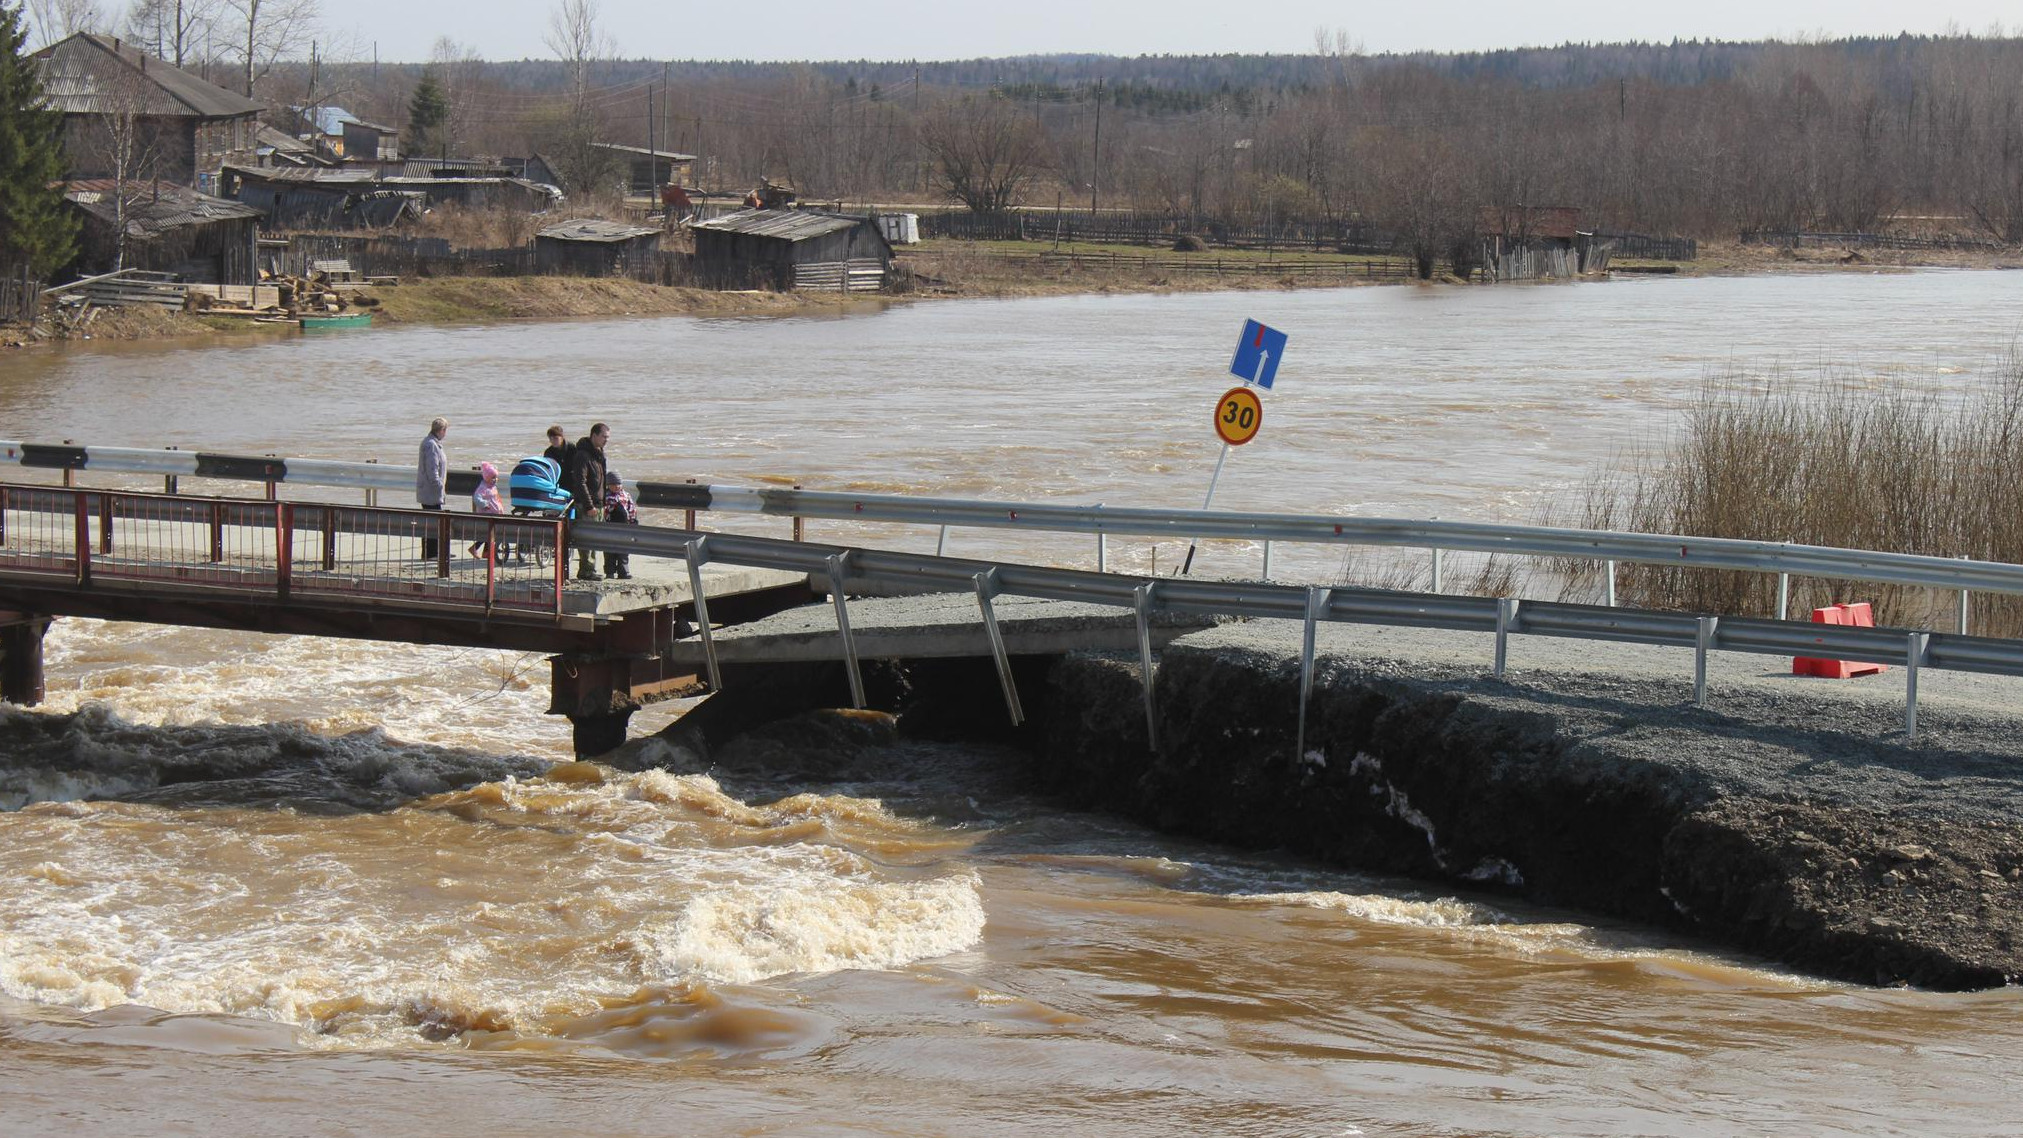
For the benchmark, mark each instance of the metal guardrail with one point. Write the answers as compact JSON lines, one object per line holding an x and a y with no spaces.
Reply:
{"x":1502,"y":617}
{"x":1608,"y":546}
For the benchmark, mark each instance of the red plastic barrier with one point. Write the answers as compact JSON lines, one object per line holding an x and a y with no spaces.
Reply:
{"x":1858,"y":615}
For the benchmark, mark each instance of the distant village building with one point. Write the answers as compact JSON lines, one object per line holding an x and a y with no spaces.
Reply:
{"x":590,"y":247}
{"x":122,"y":106}
{"x":169,"y":228}
{"x":370,"y":142}
{"x":647,"y":170}
{"x":774,"y":248}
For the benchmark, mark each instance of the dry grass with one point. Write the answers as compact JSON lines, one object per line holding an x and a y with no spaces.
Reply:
{"x":1852,"y":464}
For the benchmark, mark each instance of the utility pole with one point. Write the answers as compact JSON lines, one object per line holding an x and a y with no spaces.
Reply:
{"x":1096,"y":155}
{"x":652,"y":151}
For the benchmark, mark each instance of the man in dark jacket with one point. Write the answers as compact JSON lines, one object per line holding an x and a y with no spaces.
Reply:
{"x":586,"y":485}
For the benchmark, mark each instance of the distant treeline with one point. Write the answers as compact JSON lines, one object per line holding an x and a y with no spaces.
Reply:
{"x":1910,"y":134}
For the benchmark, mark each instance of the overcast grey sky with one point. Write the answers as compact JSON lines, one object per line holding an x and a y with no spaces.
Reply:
{"x":915,"y":29}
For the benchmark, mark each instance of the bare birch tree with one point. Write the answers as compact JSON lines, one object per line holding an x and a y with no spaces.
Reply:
{"x":174,"y":29}
{"x":270,"y":31}
{"x":60,"y":19}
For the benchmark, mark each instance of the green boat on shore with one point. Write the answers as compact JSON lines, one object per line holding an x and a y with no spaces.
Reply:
{"x":344,"y":320}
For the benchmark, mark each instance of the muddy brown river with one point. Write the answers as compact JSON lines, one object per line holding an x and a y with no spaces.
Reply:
{"x":254,"y":884}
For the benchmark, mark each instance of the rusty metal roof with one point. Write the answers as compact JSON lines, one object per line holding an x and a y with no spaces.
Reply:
{"x":152,"y":208}
{"x":87,"y":74}
{"x":595,"y":229}
{"x":785,"y":224}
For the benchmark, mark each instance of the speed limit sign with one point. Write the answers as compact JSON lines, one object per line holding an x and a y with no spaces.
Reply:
{"x":1238,"y":415}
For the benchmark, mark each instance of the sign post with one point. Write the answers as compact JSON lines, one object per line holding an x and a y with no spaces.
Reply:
{"x":1239,"y":414}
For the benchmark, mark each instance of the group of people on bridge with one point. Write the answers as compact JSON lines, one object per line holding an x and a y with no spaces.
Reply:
{"x":568,"y":480}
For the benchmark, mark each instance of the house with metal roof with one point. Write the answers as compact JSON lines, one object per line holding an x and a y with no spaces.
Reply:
{"x":122,"y":106}
{"x":592,"y":247}
{"x":168,"y":228}
{"x":781,"y":248}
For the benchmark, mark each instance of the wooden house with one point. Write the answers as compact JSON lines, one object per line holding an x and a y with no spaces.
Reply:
{"x":124,"y":108}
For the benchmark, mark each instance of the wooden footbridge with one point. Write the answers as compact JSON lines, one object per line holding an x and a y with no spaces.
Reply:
{"x":320,"y":569}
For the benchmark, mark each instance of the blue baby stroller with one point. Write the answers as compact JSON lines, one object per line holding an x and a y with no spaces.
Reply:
{"x":535,"y":490}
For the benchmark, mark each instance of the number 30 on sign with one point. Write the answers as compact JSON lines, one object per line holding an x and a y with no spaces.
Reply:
{"x":1238,"y":415}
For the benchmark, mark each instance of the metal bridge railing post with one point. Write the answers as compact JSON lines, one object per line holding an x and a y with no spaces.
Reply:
{"x":105,"y":512}
{"x":1439,"y":570}
{"x":694,"y":553}
{"x":986,"y":588}
{"x":1918,"y":643}
{"x":1609,"y":586}
{"x":800,"y":523}
{"x":1265,"y":573}
{"x":1964,"y":607}
{"x":1102,"y":547}
{"x":1783,"y":596}
{"x":838,"y":569}
{"x":284,"y":547}
{"x":217,"y":532}
{"x":1703,"y":639}
{"x":1506,"y":621}
{"x":1317,"y":603}
{"x":82,"y":510}
{"x":1142,"y":601}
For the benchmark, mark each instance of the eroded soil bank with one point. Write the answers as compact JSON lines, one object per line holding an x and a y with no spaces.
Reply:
{"x":1806,"y":836}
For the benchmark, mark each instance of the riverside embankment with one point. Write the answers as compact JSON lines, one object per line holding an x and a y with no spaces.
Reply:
{"x":1789,"y":817}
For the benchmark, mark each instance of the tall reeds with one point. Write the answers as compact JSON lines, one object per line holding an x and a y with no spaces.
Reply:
{"x":1861,"y":464}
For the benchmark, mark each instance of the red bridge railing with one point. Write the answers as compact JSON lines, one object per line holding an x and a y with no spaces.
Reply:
{"x":284,"y":549}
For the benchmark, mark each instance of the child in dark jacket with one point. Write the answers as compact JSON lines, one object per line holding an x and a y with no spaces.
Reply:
{"x":618,"y":507}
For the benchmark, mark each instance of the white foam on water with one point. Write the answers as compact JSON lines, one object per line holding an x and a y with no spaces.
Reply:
{"x":742,"y":934}
{"x":1443,"y":913}
{"x":515,"y":904}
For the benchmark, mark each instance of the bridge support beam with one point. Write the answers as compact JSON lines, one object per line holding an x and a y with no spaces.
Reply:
{"x":595,"y":735}
{"x":600,"y":693}
{"x":21,"y":657}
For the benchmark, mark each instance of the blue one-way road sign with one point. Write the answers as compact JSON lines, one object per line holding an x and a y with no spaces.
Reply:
{"x":1257,"y":354}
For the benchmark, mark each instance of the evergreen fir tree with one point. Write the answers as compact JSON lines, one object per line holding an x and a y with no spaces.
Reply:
{"x":427,"y":111}
{"x":35,"y":225}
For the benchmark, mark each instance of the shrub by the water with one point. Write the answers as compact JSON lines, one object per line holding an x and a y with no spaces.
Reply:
{"x":1866,"y":464}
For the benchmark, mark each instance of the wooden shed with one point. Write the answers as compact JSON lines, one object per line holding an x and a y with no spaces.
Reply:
{"x":791,"y":248}
{"x":169,"y":228}
{"x":591,"y":247}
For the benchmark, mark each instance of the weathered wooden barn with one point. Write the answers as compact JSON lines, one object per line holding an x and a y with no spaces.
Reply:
{"x":591,"y":247}
{"x":169,"y":229}
{"x":789,"y":248}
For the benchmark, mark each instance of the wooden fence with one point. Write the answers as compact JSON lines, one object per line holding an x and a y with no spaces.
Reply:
{"x":1799,"y":239}
{"x":433,"y":257}
{"x":1207,"y":264}
{"x":1106,"y":228}
{"x":20,"y":295}
{"x":1643,"y":246}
